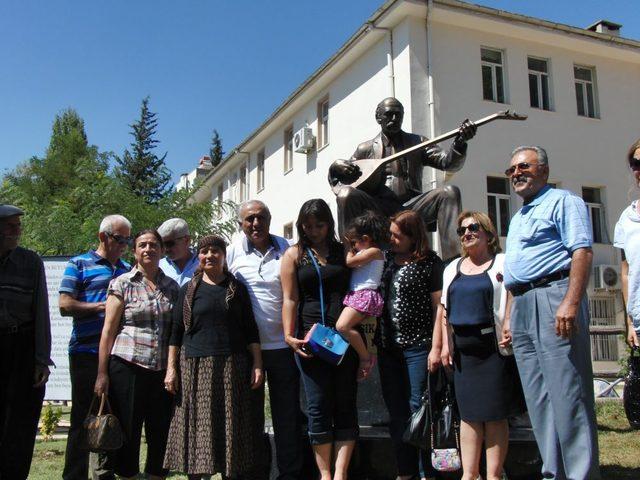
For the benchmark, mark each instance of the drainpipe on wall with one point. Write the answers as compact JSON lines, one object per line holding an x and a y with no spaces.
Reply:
{"x":392,"y":79}
{"x":433,"y":177}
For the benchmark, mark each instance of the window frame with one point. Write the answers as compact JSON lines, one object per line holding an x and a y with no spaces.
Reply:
{"x":286,"y":228}
{"x":323,"y":122}
{"x":260,"y":157}
{"x":288,"y":149}
{"x":584,"y":90}
{"x":539,"y":76}
{"x":497,"y":197}
{"x":600,"y":208}
{"x":494,"y":75}
{"x":243,"y":182}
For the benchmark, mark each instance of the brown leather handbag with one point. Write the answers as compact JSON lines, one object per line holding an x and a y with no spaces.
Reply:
{"x":102,"y":432}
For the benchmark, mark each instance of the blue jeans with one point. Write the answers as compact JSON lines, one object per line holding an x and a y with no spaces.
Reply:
{"x":331,"y":398}
{"x":403,"y":377}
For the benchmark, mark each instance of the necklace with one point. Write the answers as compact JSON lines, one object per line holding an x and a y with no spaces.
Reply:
{"x":468,"y":267}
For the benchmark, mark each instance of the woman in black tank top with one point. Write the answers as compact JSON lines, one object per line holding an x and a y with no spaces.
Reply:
{"x":331,"y":391}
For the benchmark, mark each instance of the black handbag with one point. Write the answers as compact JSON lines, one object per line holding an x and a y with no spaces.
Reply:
{"x":418,"y":431}
{"x":445,"y":424}
{"x":631,"y":392}
{"x":102,"y":431}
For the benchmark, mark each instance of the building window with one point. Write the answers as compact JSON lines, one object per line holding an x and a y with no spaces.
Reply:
{"x":244,"y":185}
{"x":499,"y":203}
{"x":539,"y":83}
{"x":287,"y":231}
{"x":585,"y":91}
{"x":260,"y":171}
{"x":323,"y":122}
{"x":492,"y":75}
{"x":288,"y":149}
{"x":593,"y":198}
{"x":218,"y":206}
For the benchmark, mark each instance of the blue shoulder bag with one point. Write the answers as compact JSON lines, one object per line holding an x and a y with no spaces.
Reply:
{"x":325,"y":342}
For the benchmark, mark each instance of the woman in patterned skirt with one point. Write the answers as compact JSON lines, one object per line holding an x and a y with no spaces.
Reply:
{"x":216,"y":339}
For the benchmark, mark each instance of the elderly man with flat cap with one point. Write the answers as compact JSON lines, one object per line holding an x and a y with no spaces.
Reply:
{"x":25,"y":346}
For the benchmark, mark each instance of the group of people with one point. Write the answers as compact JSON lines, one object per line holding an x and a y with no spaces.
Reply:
{"x":182,"y":344}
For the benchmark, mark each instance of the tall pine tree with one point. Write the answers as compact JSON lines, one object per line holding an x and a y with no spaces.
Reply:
{"x":215,"y":151}
{"x":144,"y":173}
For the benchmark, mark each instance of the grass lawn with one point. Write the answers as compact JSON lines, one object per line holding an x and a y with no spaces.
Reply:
{"x":619,"y":449}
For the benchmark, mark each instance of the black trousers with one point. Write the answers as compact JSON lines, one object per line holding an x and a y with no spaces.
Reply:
{"x":283,"y":379}
{"x":20,"y":404}
{"x":83,"y":369}
{"x":138,"y":397}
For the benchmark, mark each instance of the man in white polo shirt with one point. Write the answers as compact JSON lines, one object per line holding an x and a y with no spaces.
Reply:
{"x":255,"y":261}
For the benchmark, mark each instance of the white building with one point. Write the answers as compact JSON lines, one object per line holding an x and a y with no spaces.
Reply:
{"x":447,"y":60}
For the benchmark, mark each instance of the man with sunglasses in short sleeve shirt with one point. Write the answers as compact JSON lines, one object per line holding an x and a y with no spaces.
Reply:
{"x":181,"y":260}
{"x":546,"y":270}
{"x":83,"y":295}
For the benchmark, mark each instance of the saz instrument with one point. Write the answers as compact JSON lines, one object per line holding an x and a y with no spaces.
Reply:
{"x":372,"y":168}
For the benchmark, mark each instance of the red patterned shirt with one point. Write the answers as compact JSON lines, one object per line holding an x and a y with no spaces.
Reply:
{"x":145,"y":326}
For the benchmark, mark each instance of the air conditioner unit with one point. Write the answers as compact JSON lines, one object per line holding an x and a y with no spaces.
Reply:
{"x":303,"y":140}
{"x":607,"y":276}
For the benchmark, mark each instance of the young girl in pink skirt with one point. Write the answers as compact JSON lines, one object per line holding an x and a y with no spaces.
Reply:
{"x":365,"y":234}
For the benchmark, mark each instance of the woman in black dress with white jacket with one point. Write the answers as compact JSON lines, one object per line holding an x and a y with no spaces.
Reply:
{"x":485,"y":375}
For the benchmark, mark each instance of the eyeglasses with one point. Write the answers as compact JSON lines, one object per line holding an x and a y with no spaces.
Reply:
{"x":634,"y":164}
{"x":522,"y":166}
{"x":119,"y":239}
{"x":472,"y":227}
{"x":171,"y":243}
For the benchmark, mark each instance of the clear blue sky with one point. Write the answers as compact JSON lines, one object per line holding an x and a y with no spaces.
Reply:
{"x":205,"y":63}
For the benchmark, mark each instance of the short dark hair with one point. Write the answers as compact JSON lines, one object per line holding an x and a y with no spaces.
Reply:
{"x":371,"y":224}
{"x":146,"y":231}
{"x":411,"y":224}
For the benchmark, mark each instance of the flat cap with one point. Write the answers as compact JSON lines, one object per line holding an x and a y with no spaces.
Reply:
{"x":9,"y":211}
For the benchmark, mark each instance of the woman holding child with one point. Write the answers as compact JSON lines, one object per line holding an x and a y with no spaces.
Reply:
{"x":331,"y":391}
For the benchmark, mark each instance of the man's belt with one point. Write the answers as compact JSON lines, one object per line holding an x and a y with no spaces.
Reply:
{"x":521,"y":288}
{"x":15,"y":328}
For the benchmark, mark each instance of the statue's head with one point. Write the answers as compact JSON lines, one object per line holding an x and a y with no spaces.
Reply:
{"x":389,"y":115}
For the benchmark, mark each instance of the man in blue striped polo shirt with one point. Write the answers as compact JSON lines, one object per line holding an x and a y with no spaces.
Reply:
{"x":83,"y":295}
{"x":546,"y":270}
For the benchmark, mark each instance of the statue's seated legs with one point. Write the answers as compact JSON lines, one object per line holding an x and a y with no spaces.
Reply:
{"x":441,"y":206}
{"x":353,"y":202}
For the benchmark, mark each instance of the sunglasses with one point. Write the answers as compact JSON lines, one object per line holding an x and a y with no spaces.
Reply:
{"x":634,"y":164}
{"x":171,"y":243}
{"x":119,"y":239}
{"x":522,"y":166}
{"x":472,"y":227}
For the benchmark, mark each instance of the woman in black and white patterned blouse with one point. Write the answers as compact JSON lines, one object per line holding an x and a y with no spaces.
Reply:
{"x":411,"y":283}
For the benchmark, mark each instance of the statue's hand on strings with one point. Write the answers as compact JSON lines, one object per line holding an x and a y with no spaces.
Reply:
{"x":345,"y":171}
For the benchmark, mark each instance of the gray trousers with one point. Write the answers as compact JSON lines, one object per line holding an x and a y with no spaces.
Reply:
{"x":557,"y":380}
{"x":438,"y":207}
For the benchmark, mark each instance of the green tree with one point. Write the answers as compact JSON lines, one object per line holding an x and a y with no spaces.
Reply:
{"x":144,"y":172}
{"x":66,"y":194}
{"x":215,"y":151}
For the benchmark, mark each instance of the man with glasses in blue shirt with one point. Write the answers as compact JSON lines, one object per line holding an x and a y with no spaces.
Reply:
{"x":83,"y":295}
{"x":546,"y":270}
{"x":181,"y":260}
